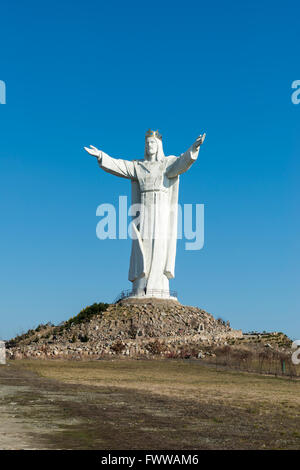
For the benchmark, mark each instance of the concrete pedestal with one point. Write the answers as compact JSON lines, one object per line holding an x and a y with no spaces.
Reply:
{"x":149,"y":300}
{"x":2,"y":353}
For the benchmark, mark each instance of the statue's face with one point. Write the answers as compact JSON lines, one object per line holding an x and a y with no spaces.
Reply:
{"x":151,"y":147}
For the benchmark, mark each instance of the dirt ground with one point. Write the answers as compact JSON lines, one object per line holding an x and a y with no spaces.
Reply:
{"x":150,"y":405}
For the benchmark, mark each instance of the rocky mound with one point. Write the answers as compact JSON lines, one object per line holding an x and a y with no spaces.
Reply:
{"x":131,"y":329}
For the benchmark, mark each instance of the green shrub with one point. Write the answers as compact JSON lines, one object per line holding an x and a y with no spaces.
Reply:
{"x":86,"y":314}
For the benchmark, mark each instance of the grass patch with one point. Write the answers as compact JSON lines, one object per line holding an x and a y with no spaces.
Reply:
{"x":158,"y":404}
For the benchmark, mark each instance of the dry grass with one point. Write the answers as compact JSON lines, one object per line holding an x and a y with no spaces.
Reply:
{"x":162,"y":404}
{"x":186,"y":380}
{"x":257,"y":359}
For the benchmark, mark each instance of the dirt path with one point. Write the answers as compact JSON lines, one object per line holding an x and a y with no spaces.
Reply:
{"x":17,"y":398}
{"x":14,"y":435}
{"x":44,"y":413}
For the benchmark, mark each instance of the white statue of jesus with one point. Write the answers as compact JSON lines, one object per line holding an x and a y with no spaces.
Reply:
{"x":154,"y":181}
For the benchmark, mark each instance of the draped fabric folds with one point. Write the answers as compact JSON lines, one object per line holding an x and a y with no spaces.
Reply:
{"x":154,"y":191}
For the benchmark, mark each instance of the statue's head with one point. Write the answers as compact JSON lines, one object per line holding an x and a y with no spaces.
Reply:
{"x":153,"y":146}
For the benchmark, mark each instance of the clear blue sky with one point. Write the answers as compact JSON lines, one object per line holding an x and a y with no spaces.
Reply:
{"x":102,"y":73}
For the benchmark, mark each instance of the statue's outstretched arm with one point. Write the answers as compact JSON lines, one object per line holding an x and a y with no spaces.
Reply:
{"x":115,"y":166}
{"x":186,"y":159}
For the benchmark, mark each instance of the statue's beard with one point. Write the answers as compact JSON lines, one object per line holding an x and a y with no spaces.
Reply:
{"x":151,"y":156}
{"x":157,"y":155}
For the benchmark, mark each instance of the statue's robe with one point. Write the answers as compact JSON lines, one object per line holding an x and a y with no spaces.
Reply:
{"x":155,"y":188}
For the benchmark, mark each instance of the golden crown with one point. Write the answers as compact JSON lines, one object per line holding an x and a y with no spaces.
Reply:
{"x":151,"y":133}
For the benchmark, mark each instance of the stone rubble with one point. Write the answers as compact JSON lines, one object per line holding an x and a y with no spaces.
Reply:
{"x":130,"y":330}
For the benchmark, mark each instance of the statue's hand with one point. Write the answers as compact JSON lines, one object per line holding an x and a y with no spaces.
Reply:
{"x":199,"y":141}
{"x":93,"y":151}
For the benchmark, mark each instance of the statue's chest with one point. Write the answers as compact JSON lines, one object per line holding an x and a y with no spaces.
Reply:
{"x":151,"y":176}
